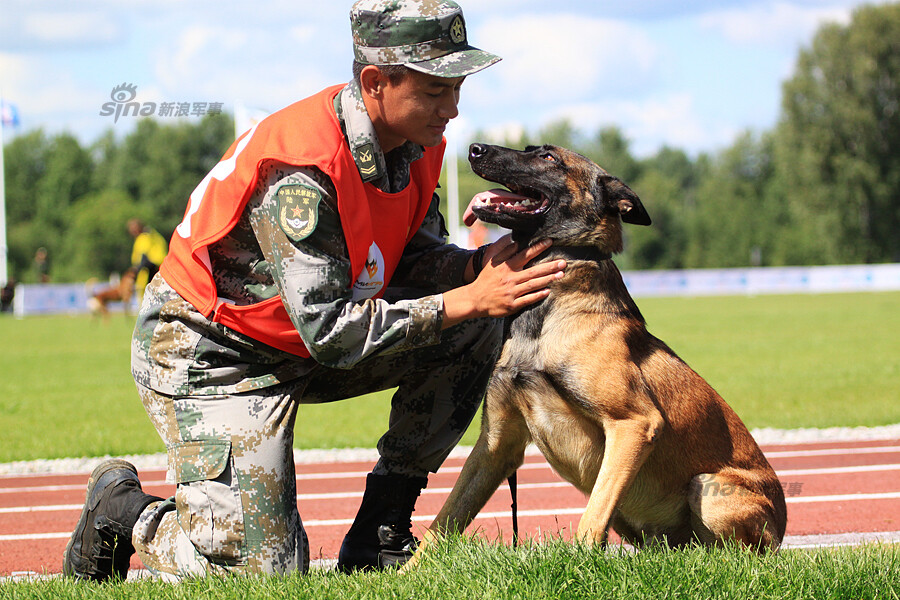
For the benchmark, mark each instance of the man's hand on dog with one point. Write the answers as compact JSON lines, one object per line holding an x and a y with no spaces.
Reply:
{"x":504,"y":286}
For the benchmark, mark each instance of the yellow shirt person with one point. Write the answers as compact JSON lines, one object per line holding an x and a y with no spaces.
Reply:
{"x":147,"y":253}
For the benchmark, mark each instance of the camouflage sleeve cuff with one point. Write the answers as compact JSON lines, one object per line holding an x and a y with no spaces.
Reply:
{"x":425,"y":318}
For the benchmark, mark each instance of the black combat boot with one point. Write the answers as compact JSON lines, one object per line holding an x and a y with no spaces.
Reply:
{"x":381,"y":535}
{"x":100,"y":546}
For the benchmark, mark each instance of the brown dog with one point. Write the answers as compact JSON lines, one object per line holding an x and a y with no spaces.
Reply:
{"x":613,"y":409}
{"x":100,"y":299}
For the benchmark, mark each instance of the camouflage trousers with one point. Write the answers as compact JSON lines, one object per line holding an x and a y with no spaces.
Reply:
{"x":231,"y":456}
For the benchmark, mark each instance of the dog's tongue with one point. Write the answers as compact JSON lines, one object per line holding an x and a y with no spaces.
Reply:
{"x":489,"y":197}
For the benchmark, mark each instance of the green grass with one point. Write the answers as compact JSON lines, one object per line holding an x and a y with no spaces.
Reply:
{"x":472,"y":568}
{"x":791,"y":361}
{"x":780,"y":361}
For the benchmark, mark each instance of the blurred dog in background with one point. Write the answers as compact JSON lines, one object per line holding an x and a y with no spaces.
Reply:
{"x":99,"y":298}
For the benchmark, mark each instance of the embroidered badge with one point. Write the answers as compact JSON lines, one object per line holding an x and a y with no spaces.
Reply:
{"x":365,"y":161}
{"x":298,"y":210}
{"x":458,"y":31}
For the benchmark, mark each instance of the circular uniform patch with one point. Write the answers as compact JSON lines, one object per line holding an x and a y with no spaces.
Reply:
{"x":298,"y":210}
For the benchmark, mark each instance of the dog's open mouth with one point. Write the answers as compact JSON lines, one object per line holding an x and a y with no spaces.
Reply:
{"x":498,"y":202}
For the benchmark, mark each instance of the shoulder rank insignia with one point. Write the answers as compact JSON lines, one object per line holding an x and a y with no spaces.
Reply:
{"x":298,"y":210}
{"x":366,"y":162}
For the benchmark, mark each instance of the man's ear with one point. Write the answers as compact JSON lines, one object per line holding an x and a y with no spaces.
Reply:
{"x":623,"y":199}
{"x":372,"y":81}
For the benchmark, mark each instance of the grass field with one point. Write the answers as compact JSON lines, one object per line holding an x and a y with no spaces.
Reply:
{"x":554,"y":570}
{"x":780,"y":361}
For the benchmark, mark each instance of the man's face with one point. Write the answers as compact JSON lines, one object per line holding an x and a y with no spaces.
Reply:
{"x":418,"y":107}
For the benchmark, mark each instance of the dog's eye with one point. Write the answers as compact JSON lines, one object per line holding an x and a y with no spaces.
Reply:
{"x":548,"y":156}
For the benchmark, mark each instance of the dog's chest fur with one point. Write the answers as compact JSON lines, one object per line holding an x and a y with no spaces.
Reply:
{"x":548,"y":366}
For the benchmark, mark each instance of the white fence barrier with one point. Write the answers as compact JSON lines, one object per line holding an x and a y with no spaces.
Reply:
{"x":57,"y":298}
{"x":764,"y":280}
{"x":72,"y":298}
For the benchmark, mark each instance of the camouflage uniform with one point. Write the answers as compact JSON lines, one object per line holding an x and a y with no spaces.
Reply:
{"x":225,"y":404}
{"x":391,"y":32}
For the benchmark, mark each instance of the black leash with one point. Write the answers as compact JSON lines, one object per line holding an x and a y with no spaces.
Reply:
{"x":515,"y":508}
{"x":574,"y":253}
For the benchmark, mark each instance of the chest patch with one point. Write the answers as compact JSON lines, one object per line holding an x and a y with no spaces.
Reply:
{"x":298,"y":210}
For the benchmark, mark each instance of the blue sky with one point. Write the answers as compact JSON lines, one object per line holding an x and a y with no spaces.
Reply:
{"x":691,"y":75}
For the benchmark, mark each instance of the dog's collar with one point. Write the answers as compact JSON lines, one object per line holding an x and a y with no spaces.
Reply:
{"x":590,"y":253}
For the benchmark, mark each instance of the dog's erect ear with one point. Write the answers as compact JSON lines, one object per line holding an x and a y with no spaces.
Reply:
{"x":626,"y":201}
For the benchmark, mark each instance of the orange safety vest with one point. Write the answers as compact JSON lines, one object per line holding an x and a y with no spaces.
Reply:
{"x":377,"y":225}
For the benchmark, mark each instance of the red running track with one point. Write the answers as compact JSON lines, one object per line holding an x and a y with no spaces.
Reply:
{"x":831,"y":488}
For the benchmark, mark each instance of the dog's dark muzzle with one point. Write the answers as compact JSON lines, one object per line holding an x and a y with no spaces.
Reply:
{"x":520,"y":207}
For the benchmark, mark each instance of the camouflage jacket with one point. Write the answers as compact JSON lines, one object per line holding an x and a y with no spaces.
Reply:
{"x":177,"y":351}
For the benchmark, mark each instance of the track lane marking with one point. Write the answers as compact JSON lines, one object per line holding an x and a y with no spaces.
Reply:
{"x":843,"y":497}
{"x":488,"y":515}
{"x":530,"y":466}
{"x":831,"y":452}
{"x":837,"y":470}
{"x":503,"y":514}
{"x":361,"y":475}
{"x":323,"y":496}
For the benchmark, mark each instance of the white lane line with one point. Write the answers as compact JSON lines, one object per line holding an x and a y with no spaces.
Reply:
{"x":361,"y":475}
{"x":334,"y":522}
{"x":505,"y":514}
{"x":836,"y":470}
{"x":843,"y":497}
{"x":530,"y":466}
{"x":12,"y":510}
{"x":831,"y":452}
{"x":825,"y":540}
{"x":444,"y":491}
{"x":16,"y":537}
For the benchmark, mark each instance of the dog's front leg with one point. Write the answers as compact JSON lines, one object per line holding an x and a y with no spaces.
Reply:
{"x":499,"y":451}
{"x":628,"y":443}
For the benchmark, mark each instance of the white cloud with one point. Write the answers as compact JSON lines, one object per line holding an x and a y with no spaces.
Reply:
{"x":564,"y":55}
{"x":195,"y":49}
{"x":671,"y":119}
{"x":781,"y":23}
{"x":302,"y":33}
{"x":64,"y":28}
{"x":48,"y":96}
{"x":229,"y":63}
{"x":57,"y":29}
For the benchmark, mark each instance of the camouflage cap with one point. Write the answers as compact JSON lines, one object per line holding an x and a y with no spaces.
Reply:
{"x":425,"y":35}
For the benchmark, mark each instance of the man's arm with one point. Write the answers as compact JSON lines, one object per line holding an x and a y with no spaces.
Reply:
{"x":313,"y":278}
{"x":504,"y":286}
